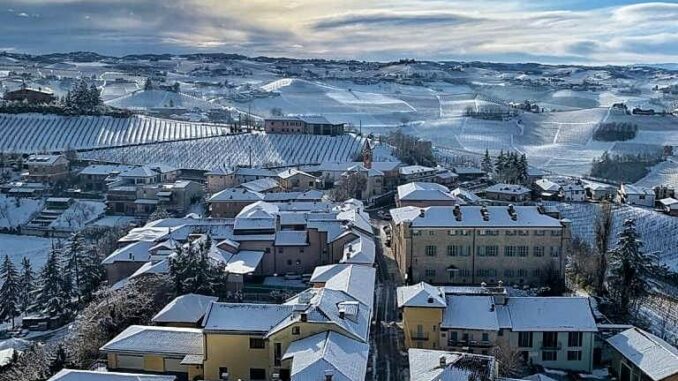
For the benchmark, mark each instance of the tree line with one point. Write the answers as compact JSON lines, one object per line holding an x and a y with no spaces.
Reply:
{"x":509,"y":167}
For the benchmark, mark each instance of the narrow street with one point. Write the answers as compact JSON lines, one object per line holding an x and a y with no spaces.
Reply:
{"x":388,"y":360}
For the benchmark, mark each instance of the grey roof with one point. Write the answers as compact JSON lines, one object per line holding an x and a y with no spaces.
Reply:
{"x":291,"y":238}
{"x":157,"y":340}
{"x":261,"y":185}
{"x":414,"y":169}
{"x":420,"y":295}
{"x":652,"y":355}
{"x":89,"y":375}
{"x":355,"y":280}
{"x":443,"y":217}
{"x":189,"y":308}
{"x":313,"y":356}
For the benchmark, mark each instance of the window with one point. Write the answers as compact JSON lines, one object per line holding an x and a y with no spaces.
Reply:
{"x":525,"y":339}
{"x":416,"y":232}
{"x":540,"y":232}
{"x":223,"y":371}
{"x":458,"y":251}
{"x":431,"y":232}
{"x":509,"y":273}
{"x":555,"y":251}
{"x":522,"y":273}
{"x":488,"y":251}
{"x":277,"y":355}
{"x":257,"y":343}
{"x":486,"y":337}
{"x":574,"y":339}
{"x":257,"y":374}
{"x":538,"y":251}
{"x":510,"y":232}
{"x":430,"y":272}
{"x":573,"y":355}
{"x":522,"y":251}
{"x":549,"y":356}
{"x":509,"y":251}
{"x":465,"y":273}
{"x":431,"y":251}
{"x":295,"y":330}
{"x":556,"y":233}
{"x":550,"y":340}
{"x":464,"y":337}
{"x":523,"y":232}
{"x":453,"y":336}
{"x":536,"y":273}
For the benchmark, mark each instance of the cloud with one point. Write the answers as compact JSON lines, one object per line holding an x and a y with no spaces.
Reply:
{"x":511,"y":30}
{"x":382,"y":19}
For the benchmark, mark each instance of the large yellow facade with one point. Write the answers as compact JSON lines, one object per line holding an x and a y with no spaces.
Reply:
{"x":421,"y":327}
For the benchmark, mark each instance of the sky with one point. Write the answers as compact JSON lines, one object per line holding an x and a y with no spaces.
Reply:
{"x":547,"y":31}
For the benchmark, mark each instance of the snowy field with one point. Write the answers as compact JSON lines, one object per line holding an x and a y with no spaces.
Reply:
{"x":29,"y":133}
{"x":242,"y":149}
{"x":78,"y":215}
{"x":17,"y":247}
{"x":17,"y":211}
{"x":664,"y":173}
{"x":149,"y":99}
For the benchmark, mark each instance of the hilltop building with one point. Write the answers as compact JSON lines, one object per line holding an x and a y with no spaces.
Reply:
{"x":304,"y":124}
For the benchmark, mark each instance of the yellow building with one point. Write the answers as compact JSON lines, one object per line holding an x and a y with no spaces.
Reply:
{"x":554,"y":332}
{"x":319,"y":332}
{"x":475,"y":244}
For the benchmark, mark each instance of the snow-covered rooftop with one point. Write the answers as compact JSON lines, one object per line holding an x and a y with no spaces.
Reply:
{"x":355,"y":280}
{"x":418,"y":191}
{"x":652,"y":355}
{"x":471,"y":216}
{"x":470,"y":312}
{"x":239,"y":317}
{"x":507,"y":188}
{"x":420,"y":295}
{"x":236,"y":194}
{"x":189,"y":308}
{"x":89,"y":375}
{"x":157,"y":340}
{"x":432,"y":365}
{"x":314,"y":356}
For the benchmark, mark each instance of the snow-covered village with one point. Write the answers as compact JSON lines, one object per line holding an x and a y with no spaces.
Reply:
{"x":336,"y":191}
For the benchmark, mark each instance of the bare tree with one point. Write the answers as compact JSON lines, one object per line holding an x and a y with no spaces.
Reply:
{"x":511,"y":364}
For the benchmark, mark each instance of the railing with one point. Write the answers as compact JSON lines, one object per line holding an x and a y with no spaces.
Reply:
{"x":469,"y":343}
{"x":415,"y":335}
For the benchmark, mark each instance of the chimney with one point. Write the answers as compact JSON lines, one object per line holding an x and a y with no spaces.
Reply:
{"x":329,"y":374}
{"x":443,"y":361}
{"x":422,"y":212}
{"x":430,"y":300}
{"x":304,"y":317}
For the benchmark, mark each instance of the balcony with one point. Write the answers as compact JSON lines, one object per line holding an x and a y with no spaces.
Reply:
{"x":550,"y":346}
{"x":470,"y":343}
{"x":420,"y":336}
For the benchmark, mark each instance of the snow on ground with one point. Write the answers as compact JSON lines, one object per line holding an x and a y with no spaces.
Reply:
{"x":657,"y":230}
{"x":242,"y":149}
{"x":17,"y":211}
{"x":79,"y":214}
{"x":17,"y":247}
{"x":148,"y":99}
{"x":115,"y":221}
{"x":664,"y":173}
{"x":28,"y":133}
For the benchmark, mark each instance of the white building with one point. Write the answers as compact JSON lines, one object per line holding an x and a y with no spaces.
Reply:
{"x":635,"y":195}
{"x":573,"y":192}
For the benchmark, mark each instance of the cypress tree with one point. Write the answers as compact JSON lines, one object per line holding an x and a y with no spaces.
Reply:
{"x":26,"y":284}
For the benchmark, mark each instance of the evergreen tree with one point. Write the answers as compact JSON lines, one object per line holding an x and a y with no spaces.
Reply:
{"x":52,"y":299}
{"x":148,"y":85}
{"x":486,"y":164}
{"x":74,"y":262}
{"x":9,"y":291}
{"x":500,"y":165}
{"x":91,"y":273}
{"x":26,"y":284}
{"x":193,"y":270}
{"x":629,"y":268}
{"x":522,"y":169}
{"x":94,"y":98}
